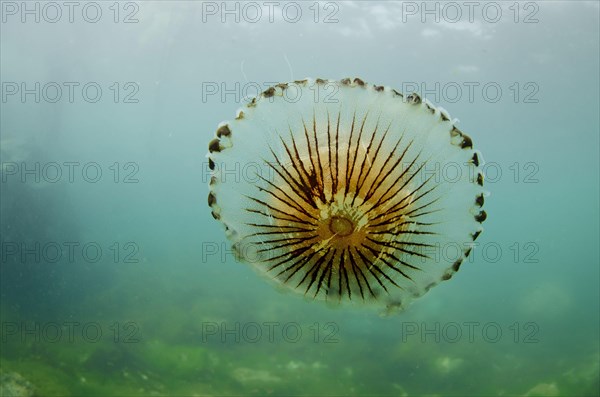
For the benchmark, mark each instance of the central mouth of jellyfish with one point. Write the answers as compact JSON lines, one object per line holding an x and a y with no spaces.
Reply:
{"x":342,"y":225}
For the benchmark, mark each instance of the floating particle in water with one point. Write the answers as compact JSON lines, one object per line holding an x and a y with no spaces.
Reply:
{"x":347,"y":192}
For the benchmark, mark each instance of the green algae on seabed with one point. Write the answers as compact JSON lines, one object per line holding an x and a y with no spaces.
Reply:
{"x":48,"y":380}
{"x":172,"y":358}
{"x":13,"y":384}
{"x":180,"y":361}
{"x":158,"y":367}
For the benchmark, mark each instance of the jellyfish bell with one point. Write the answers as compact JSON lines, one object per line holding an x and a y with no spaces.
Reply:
{"x":347,"y":192}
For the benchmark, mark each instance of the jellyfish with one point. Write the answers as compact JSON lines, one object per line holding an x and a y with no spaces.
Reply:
{"x":347,"y":192}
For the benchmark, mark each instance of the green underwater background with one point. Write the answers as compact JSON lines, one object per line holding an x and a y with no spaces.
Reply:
{"x":115,"y":280}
